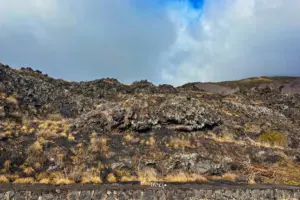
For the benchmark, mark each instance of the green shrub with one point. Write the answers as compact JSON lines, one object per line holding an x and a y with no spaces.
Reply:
{"x":274,"y":138}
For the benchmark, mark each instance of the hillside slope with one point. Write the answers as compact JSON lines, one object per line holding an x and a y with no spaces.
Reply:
{"x":55,"y":131}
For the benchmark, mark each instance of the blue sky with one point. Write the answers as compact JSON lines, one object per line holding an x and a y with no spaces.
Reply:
{"x":164,"y":41}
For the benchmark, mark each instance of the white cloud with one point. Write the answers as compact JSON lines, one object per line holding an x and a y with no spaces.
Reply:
{"x":132,"y":40}
{"x":84,"y":40}
{"x":235,"y":39}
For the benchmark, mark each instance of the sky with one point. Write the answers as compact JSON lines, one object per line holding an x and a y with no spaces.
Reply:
{"x":163,"y":41}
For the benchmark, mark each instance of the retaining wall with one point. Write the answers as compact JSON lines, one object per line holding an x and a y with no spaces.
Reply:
{"x":154,"y":192}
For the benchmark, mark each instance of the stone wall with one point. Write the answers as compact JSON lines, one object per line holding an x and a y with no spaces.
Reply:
{"x":154,"y":192}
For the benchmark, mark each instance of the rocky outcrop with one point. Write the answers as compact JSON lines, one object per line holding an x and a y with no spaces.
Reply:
{"x":245,"y":130}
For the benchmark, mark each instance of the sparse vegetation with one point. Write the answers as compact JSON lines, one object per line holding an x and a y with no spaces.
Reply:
{"x":151,"y":141}
{"x":99,"y":144}
{"x":111,"y":178}
{"x":12,"y":100}
{"x":27,"y":180}
{"x":184,"y":177}
{"x":45,"y":181}
{"x":63,"y":181}
{"x":28,"y":171}
{"x":91,"y":179}
{"x":273,"y":138}
{"x":7,"y":164}
{"x":66,"y":132}
{"x":54,"y":117}
{"x":3,"y":179}
{"x":177,"y":143}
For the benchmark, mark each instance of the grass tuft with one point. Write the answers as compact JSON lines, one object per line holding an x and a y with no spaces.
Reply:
{"x":24,"y":180}
{"x":274,"y":138}
{"x":3,"y":179}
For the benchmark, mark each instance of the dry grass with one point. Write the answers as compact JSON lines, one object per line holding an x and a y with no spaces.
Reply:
{"x":229,"y":177}
{"x":63,"y":134}
{"x":55,"y":117}
{"x":47,"y":134}
{"x":45,"y":181}
{"x":184,"y":177}
{"x":111,"y":178}
{"x":3,"y":179}
{"x":251,"y":180}
{"x":12,"y":177}
{"x":52,"y":126}
{"x":43,"y":175}
{"x":37,"y":165}
{"x":244,"y":143}
{"x":63,"y":181}
{"x":71,"y":138}
{"x":7,"y":165}
{"x":12,"y":100}
{"x":8,"y":134}
{"x":28,"y":171}
{"x":147,"y":176}
{"x":27,"y":130}
{"x":99,"y":145}
{"x":128,"y":137}
{"x":91,"y":179}
{"x":35,"y":147}
{"x":151,"y":141}
{"x":177,"y":143}
{"x":128,"y":178}
{"x":273,"y":138}
{"x":25,"y":180}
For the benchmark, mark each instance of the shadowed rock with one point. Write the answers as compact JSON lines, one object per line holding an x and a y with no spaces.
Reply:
{"x":292,"y":88}
{"x":210,"y":87}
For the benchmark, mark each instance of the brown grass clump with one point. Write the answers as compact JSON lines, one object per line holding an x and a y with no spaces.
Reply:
{"x":128,"y":137}
{"x":45,"y":181}
{"x":54,"y":117}
{"x":47,"y":134}
{"x":99,"y":145}
{"x":111,"y":178}
{"x":229,"y":177}
{"x":274,"y":138}
{"x":63,"y":181}
{"x":151,"y":141}
{"x":35,"y":148}
{"x":184,"y":177}
{"x":12,"y":177}
{"x":12,"y":100}
{"x":27,"y":130}
{"x":147,"y":176}
{"x":37,"y":165}
{"x":43,"y":175}
{"x":128,"y":178}
{"x":24,"y":180}
{"x":28,"y":171}
{"x":251,"y":180}
{"x":8,"y":134}
{"x":91,"y":179}
{"x":7,"y":164}
{"x":63,"y":134}
{"x":71,"y":138}
{"x":179,"y":143}
{"x":226,"y":176}
{"x":3,"y":179}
